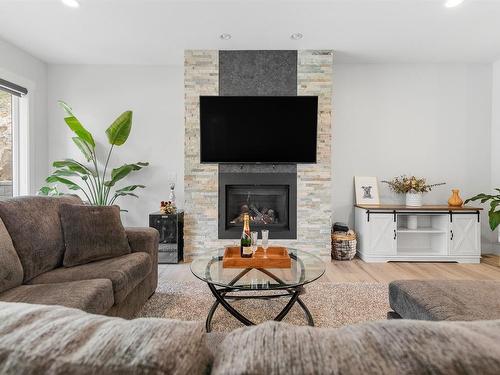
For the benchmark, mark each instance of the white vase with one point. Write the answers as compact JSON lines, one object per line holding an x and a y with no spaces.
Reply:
{"x":414,"y":199}
{"x":412,"y":222}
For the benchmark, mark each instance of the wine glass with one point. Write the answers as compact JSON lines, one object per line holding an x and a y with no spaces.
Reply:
{"x":254,"y":236}
{"x":265,"y":239}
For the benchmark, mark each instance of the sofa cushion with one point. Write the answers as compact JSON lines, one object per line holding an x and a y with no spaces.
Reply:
{"x":446,"y":299}
{"x":92,"y":233}
{"x":35,"y":228}
{"x":11,"y":270}
{"x":125,"y":273}
{"x":388,"y":347}
{"x":94,"y":296}
{"x":57,"y":340}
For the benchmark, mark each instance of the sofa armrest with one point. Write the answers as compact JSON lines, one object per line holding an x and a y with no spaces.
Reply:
{"x":144,"y":240}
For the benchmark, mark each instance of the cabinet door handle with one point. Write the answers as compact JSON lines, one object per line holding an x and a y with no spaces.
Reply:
{"x":451,"y":237}
{"x":395,"y":235}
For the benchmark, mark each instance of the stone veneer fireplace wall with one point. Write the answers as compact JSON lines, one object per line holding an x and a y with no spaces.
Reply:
{"x":314,"y":77}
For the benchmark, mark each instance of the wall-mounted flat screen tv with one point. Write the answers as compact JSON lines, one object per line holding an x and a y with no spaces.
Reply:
{"x":258,"y":129}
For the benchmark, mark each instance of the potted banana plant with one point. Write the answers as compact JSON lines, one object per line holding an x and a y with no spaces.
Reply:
{"x":494,"y":201}
{"x":98,"y":184}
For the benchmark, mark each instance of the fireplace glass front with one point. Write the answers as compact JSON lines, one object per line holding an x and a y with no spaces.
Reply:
{"x":267,"y":206}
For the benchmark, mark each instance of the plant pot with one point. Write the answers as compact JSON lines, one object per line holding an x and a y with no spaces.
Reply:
{"x":414,"y":199}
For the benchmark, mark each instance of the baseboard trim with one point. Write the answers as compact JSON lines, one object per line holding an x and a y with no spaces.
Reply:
{"x":473,"y":259}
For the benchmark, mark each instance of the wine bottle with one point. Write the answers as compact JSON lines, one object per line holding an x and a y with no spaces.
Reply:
{"x":246,"y":240}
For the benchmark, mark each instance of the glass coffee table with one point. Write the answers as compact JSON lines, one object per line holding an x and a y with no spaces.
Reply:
{"x":283,"y":282}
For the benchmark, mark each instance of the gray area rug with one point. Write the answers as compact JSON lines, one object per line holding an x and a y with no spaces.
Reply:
{"x":331,"y":304}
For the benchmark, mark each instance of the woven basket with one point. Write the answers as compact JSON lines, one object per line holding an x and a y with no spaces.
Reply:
{"x":343,"y":246}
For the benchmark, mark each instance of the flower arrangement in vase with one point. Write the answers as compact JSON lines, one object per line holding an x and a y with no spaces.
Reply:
{"x":168,"y":208}
{"x":413,"y":188}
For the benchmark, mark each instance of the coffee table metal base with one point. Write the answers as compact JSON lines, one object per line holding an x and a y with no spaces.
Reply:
{"x":222,"y":297}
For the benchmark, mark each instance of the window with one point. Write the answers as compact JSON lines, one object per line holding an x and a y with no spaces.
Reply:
{"x":11,"y":176}
{"x":8,"y":106}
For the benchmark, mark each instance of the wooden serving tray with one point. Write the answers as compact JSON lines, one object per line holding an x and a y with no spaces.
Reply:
{"x":275,"y":257}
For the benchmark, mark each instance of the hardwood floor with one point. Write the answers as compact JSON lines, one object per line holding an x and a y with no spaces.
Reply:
{"x":359,"y":271}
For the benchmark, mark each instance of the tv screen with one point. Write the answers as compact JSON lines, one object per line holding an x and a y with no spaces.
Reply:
{"x":258,"y":129}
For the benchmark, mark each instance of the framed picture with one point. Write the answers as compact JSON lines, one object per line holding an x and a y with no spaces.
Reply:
{"x":366,"y":190}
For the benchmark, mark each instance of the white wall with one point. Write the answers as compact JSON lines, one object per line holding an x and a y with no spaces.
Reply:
{"x":25,"y":70}
{"x":428,"y":120}
{"x":495,"y":127}
{"x":98,"y":94}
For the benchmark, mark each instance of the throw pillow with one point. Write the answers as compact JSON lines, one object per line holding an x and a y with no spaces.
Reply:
{"x":386,"y":347}
{"x":34,"y":226}
{"x":38,"y":339}
{"x":92,"y":233}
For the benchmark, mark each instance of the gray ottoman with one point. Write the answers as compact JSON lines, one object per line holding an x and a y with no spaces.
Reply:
{"x":445,"y":299}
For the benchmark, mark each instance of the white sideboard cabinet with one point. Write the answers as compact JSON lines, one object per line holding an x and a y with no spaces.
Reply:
{"x":441,"y":233}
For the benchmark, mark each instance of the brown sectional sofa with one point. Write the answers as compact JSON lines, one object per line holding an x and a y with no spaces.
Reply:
{"x":31,"y":255}
{"x":38,"y":339}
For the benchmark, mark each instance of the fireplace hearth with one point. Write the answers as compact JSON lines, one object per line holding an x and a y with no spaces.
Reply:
{"x":267,"y":193}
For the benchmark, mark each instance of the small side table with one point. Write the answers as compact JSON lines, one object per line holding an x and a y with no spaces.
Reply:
{"x":171,"y":228}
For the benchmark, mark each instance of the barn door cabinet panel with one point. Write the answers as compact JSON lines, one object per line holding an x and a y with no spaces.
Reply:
{"x":465,"y":238}
{"x":428,"y":233}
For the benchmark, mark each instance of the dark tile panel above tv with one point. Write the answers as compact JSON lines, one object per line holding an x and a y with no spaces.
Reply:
{"x":258,"y":73}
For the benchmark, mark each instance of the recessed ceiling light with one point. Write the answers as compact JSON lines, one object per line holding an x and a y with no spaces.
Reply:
{"x":453,"y":3}
{"x":296,"y":36}
{"x":225,"y":36}
{"x":71,"y":3}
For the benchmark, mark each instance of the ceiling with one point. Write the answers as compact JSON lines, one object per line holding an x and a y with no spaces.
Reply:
{"x":157,"y":31}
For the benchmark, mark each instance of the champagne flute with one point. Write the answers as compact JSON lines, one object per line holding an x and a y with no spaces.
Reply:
{"x":265,"y":240}
{"x":254,"y":236}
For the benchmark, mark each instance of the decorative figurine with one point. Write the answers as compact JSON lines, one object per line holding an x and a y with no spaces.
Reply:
{"x":171,"y":197}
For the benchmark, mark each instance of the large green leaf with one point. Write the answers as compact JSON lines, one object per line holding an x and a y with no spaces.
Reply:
{"x":119,"y":173}
{"x":119,"y":130}
{"x":69,"y":173}
{"x":45,"y":190}
{"x":84,"y":147}
{"x":494,"y":203}
{"x":79,"y":130}
{"x":49,"y":191}
{"x":66,"y":108}
{"x":483,"y":197}
{"x":65,"y":173}
{"x":75,"y":125}
{"x":494,"y":219}
{"x":70,"y":184}
{"x":74,"y":166}
{"x":117,"y":195}
{"x":123,"y":194}
{"x":130,"y":188}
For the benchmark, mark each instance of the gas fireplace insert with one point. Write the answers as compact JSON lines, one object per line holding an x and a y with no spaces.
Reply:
{"x":267,"y":195}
